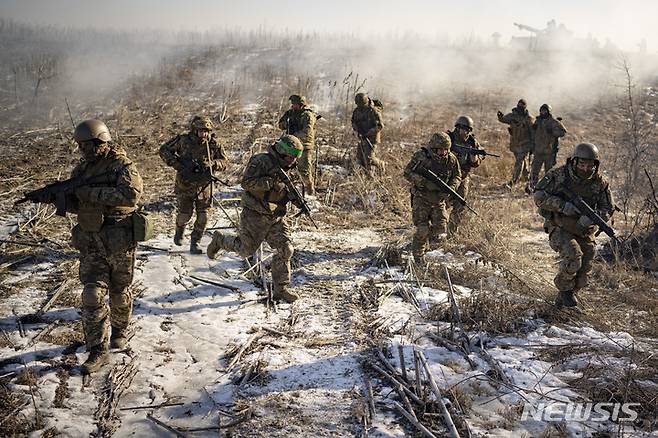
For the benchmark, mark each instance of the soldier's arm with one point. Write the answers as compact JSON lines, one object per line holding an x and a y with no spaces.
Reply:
{"x":307,"y":125}
{"x":544,"y":197}
{"x":475,"y":160}
{"x":220,"y":159}
{"x":125,"y":193}
{"x":283,"y":121}
{"x":255,"y":178}
{"x":169,"y":152}
{"x":409,"y":171}
{"x":605,"y":205}
{"x":507,"y":118}
{"x":455,"y":175}
{"x":558,"y":129}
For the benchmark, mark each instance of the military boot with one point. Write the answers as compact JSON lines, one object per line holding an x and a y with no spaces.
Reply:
{"x":283,"y":294}
{"x":194,"y":243}
{"x":178,"y":236}
{"x":566,"y":299}
{"x":118,"y":338}
{"x":215,"y":244}
{"x":98,"y":357}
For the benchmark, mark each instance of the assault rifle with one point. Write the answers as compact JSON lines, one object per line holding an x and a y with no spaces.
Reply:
{"x":292,"y":128}
{"x":196,"y":171}
{"x":297,"y":197}
{"x":57,"y":192}
{"x":588,"y":211}
{"x":466,"y":150}
{"x":433,"y":177}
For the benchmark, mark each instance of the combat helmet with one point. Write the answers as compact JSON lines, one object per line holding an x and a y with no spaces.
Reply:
{"x":464,"y":121}
{"x":547,"y":107}
{"x":586,"y":151}
{"x":91,"y":129}
{"x":297,"y":99}
{"x":361,"y":99}
{"x":289,"y":145}
{"x":440,"y":140}
{"x":201,"y":123}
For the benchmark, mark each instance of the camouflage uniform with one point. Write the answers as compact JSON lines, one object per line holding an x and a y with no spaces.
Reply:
{"x":428,"y":200}
{"x":466,"y":163}
{"x":520,"y":140}
{"x":191,"y":190}
{"x":264,"y":206}
{"x":547,"y":131}
{"x":567,"y":235}
{"x":104,"y":237}
{"x":367,"y":123}
{"x":301,"y":124}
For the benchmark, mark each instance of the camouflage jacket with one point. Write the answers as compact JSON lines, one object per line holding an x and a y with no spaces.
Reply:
{"x":185,"y":150}
{"x":446,"y":168}
{"x":466,"y":161}
{"x":110,"y":201}
{"x":547,"y":131}
{"x":551,"y":200}
{"x":301,"y":124}
{"x":367,"y":121}
{"x":264,"y":190}
{"x":520,"y":130}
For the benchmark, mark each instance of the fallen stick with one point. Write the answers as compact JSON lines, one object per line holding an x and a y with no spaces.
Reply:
{"x":412,"y":420}
{"x":62,"y":287}
{"x":161,"y":405}
{"x":242,"y":349}
{"x":403,"y":366}
{"x":370,"y":397}
{"x":215,"y":283}
{"x":165,"y":425}
{"x":396,"y":382}
{"x":447,"y":419}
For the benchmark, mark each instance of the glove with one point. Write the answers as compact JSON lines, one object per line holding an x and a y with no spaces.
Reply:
{"x":570,"y":210}
{"x":281,"y":210}
{"x":585,"y":221}
{"x":86,"y":194}
{"x":500,"y":114}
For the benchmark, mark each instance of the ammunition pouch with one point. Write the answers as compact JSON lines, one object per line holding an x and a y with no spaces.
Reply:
{"x":90,"y":217}
{"x":142,"y":226}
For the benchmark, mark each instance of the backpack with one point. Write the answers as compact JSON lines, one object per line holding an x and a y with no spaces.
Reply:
{"x":379,"y":106}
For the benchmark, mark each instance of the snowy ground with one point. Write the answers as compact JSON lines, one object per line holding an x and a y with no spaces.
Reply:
{"x":304,"y":370}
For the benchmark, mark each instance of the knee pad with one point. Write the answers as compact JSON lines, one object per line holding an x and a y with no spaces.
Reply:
{"x":120,"y":298}
{"x":93,"y":295}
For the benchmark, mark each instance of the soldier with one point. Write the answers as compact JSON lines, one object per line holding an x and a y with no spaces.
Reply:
{"x":547,"y":132}
{"x":299,"y":121}
{"x":571,"y":233}
{"x":264,"y":206}
{"x":520,"y":138}
{"x":428,"y":200}
{"x":195,"y":156}
{"x":367,"y":123}
{"x":104,"y":237}
{"x":462,"y":136}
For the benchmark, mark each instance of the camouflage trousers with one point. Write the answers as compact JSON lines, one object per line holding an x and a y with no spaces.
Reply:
{"x":576,"y":255}
{"x":430,"y":220}
{"x":107,"y":261}
{"x":366,"y":155}
{"x":521,"y":166}
{"x":458,"y":210}
{"x":538,"y":161}
{"x":256,"y":228}
{"x":305,"y":166}
{"x":188,"y":201}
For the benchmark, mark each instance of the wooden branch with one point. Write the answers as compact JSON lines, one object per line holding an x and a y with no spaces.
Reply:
{"x":412,"y":420}
{"x":447,"y":419}
{"x":396,"y":382}
{"x":161,"y":405}
{"x":215,"y":283}
{"x":243,"y":348}
{"x":166,"y":426}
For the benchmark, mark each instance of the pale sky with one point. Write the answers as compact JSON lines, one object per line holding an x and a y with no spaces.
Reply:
{"x":625,"y":22}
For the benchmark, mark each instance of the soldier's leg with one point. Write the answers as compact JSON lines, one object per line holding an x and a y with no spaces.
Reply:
{"x":253,"y":230}
{"x":361,"y":154}
{"x":202,"y":205}
{"x":121,"y":299}
{"x":438,"y":222}
{"x":588,"y":247}
{"x":519,"y":166}
{"x":525,"y":171}
{"x":185,"y":208}
{"x":458,"y":210}
{"x":279,"y":239}
{"x":571,"y":256}
{"x":95,"y":277}
{"x":421,"y":213}
{"x":305,"y":167}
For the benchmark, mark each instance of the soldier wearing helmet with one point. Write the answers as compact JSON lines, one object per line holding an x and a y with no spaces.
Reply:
{"x":263,"y":217}
{"x":428,"y":200}
{"x":547,"y":134}
{"x":104,"y":236}
{"x":300,"y":121}
{"x":195,"y":156}
{"x":571,"y":233}
{"x":463,"y":136}
{"x":367,"y":124}
{"x":520,"y":138}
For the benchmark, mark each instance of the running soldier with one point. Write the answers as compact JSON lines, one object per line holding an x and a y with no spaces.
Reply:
{"x":520,"y":139}
{"x":299,"y":121}
{"x":368,"y":125}
{"x":547,"y":133}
